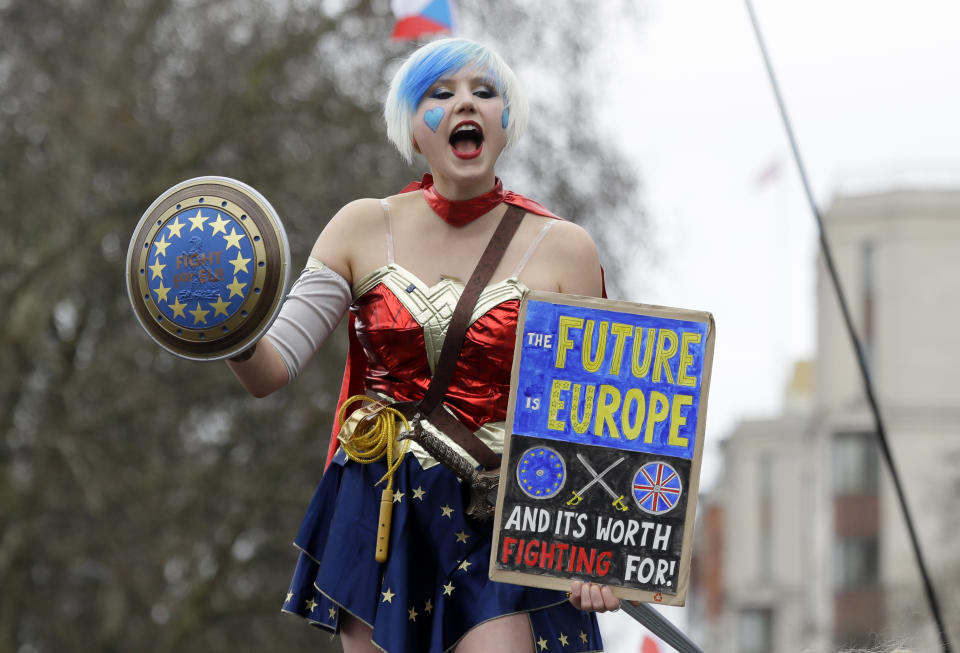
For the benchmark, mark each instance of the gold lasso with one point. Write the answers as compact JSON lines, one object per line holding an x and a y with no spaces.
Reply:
{"x":374,"y":437}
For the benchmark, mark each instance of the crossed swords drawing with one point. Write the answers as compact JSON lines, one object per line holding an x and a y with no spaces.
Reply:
{"x":598,"y":478}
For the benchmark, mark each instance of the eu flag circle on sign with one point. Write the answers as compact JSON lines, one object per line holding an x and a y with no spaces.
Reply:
{"x":541,"y":473}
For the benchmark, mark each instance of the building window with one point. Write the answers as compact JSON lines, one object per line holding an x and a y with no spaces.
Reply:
{"x":765,"y":534}
{"x":855,"y":463}
{"x":856,"y":563}
{"x":756,"y":630}
{"x":868,"y":266}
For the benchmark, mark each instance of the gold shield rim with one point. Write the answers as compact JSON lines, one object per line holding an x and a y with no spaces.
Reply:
{"x":251,"y":211}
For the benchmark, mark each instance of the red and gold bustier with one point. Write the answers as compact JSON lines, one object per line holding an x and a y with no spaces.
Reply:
{"x":401,"y":323}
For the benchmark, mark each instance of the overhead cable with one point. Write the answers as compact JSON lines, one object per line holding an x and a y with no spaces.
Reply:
{"x":857,"y":346}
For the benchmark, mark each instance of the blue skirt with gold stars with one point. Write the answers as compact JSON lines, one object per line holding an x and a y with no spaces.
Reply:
{"x":434,"y":587}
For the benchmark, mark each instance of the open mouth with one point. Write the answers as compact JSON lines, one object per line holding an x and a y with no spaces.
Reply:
{"x":467,"y":140}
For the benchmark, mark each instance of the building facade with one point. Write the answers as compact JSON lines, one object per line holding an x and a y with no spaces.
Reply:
{"x":802,"y":544}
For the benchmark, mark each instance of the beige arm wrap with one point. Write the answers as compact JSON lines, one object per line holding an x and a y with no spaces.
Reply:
{"x":310,"y":313}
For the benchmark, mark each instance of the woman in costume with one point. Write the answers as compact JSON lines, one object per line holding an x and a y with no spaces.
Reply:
{"x":399,"y":265}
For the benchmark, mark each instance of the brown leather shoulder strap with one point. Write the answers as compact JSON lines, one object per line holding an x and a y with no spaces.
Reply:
{"x":431,"y":404}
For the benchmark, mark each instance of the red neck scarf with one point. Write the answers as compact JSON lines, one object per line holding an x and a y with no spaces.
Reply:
{"x":461,"y":212}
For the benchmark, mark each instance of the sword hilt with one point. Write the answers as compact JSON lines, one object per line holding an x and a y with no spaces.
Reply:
{"x":442,"y":453}
{"x":483,"y":495}
{"x":574,"y":500}
{"x":483,"y":484}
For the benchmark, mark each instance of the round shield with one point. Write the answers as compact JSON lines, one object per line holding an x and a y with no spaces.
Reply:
{"x":657,"y":487}
{"x":207,"y":268}
{"x":541,"y":472}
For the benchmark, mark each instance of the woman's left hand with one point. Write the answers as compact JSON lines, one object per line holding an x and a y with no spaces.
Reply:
{"x":593,"y":598}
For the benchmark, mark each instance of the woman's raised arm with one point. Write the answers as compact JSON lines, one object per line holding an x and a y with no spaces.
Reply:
{"x":314,"y":306}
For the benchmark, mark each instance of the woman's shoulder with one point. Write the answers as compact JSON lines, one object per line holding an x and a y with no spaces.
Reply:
{"x":573,"y":255}
{"x":362,"y":210}
{"x":569,"y":238}
{"x":403,"y":200}
{"x":369,"y":209}
{"x":343,"y":243}
{"x":356,"y":218}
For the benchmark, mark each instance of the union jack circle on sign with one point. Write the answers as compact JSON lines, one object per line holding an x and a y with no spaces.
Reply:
{"x":657,"y":488}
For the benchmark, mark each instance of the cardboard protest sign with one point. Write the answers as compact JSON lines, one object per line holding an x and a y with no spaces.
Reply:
{"x":604,"y":438}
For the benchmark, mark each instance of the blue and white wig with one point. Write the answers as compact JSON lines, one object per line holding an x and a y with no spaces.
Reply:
{"x":444,"y":57}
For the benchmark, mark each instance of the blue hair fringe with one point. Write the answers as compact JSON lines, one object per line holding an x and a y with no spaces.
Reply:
{"x":435,"y":64}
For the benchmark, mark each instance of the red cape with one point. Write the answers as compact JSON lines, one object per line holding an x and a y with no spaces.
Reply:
{"x":356,"y":366}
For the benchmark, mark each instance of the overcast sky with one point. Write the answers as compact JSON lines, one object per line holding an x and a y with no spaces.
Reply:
{"x":873,"y":91}
{"x":873,"y":96}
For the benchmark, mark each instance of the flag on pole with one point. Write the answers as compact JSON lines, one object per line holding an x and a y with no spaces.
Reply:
{"x":649,"y":645}
{"x":768,"y":173}
{"x":418,"y":17}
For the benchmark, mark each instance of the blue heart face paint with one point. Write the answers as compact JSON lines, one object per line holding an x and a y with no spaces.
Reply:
{"x":505,"y":118}
{"x":433,"y":117}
